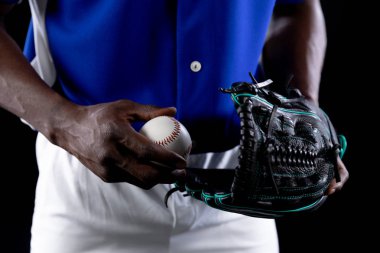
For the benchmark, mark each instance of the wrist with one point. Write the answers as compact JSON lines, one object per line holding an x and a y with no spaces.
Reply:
{"x":58,"y":117}
{"x":312,"y":99}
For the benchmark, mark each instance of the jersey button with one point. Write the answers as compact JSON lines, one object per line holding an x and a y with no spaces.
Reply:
{"x":195,"y":66}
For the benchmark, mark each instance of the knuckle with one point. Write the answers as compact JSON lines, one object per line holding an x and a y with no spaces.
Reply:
{"x":145,"y":152}
{"x":346,"y":176}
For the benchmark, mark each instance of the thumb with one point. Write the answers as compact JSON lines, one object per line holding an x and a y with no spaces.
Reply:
{"x":148,"y":112}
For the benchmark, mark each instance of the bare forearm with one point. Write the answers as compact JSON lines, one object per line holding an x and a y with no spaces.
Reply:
{"x":296,"y":46}
{"x":22,"y":92}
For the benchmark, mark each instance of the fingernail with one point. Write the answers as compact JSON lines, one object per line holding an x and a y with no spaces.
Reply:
{"x":174,"y":110}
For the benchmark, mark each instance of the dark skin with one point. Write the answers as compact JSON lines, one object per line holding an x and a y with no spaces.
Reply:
{"x":296,"y":46}
{"x":101,"y":136}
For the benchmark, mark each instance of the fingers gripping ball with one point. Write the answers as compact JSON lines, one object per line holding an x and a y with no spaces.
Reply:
{"x":170,"y":133}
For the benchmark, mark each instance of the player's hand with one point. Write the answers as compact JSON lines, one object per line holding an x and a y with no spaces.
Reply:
{"x":344,"y":175}
{"x":102,"y":138}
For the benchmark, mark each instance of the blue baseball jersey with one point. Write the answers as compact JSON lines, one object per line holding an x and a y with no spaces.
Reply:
{"x":160,"y":52}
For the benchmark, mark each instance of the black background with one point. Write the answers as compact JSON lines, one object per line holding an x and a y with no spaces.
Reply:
{"x":347,"y":95}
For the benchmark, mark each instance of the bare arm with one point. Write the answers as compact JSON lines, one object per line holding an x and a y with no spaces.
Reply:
{"x":296,"y":46}
{"x":22,"y":91}
{"x":100,"y":136}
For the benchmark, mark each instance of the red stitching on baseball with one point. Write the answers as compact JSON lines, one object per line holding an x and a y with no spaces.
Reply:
{"x":173,"y":135}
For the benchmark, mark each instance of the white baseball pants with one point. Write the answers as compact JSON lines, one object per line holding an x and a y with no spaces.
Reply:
{"x":76,"y":212}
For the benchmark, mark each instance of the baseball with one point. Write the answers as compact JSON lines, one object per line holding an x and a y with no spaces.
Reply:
{"x":168,"y":132}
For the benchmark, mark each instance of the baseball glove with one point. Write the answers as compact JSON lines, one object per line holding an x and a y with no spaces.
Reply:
{"x":288,"y":157}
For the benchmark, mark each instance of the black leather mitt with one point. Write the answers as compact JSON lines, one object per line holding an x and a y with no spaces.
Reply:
{"x":288,"y":157}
